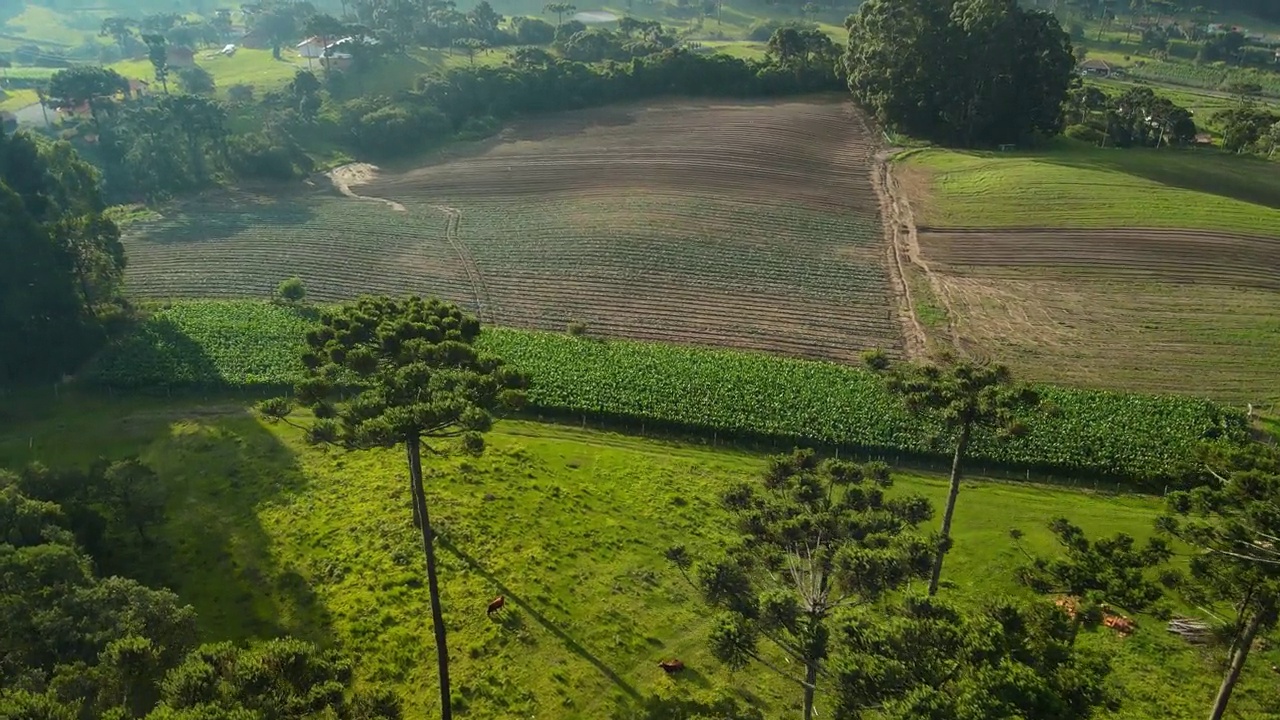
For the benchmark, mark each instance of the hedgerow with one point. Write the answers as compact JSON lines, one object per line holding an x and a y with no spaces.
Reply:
{"x":1140,"y":438}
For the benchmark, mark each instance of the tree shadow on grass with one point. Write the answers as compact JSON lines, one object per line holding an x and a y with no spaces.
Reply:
{"x":223,"y":214}
{"x":150,"y":356}
{"x":223,"y":470}
{"x":511,"y":597}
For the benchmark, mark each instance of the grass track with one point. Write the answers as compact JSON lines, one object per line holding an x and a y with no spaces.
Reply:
{"x":269,"y":536}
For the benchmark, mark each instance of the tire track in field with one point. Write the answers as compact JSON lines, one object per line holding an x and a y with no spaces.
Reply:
{"x":479,"y":288}
{"x":904,"y":248}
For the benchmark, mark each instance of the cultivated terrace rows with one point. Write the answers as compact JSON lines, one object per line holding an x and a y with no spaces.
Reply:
{"x":1191,"y":256}
{"x":1184,"y":311}
{"x":750,"y":225}
{"x":743,"y":224}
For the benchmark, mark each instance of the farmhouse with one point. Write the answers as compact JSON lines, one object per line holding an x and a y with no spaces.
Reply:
{"x":312,"y":47}
{"x":1100,"y":68}
{"x":347,"y":42}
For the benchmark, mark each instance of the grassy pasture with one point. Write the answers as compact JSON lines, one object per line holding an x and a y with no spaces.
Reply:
{"x":29,"y":73}
{"x":745,"y":49}
{"x":251,"y":67}
{"x":1126,"y":281}
{"x":41,"y":25}
{"x":17,"y":99}
{"x":1073,"y":185}
{"x":268,"y":536}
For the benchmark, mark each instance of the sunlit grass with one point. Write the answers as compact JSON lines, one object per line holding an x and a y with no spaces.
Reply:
{"x":269,"y":536}
{"x":1074,"y":185}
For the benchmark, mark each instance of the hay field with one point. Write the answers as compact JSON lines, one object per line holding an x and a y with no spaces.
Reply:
{"x":743,"y":224}
{"x":1128,"y":269}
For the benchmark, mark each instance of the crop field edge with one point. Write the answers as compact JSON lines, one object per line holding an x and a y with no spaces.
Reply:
{"x":705,"y":392}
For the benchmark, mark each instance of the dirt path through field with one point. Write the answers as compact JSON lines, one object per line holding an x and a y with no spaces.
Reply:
{"x":344,"y":176}
{"x":906,"y":257}
{"x":452,"y":221}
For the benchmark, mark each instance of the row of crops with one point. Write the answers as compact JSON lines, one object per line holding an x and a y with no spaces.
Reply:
{"x":733,"y":394}
{"x":207,"y":344}
{"x":1211,"y":77}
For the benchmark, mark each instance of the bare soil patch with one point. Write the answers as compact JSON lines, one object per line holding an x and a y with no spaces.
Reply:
{"x":1171,"y":255}
{"x":343,"y":177}
{"x":1155,"y":310}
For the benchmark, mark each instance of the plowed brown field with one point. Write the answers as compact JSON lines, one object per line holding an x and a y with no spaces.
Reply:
{"x":743,"y":224}
{"x":1160,"y":310}
{"x":1184,"y":256}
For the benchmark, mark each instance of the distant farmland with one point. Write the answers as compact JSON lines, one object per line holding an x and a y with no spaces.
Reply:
{"x":751,"y":225}
{"x":1129,"y":269}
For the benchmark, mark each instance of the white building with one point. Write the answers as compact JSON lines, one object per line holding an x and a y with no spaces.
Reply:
{"x":312,"y":47}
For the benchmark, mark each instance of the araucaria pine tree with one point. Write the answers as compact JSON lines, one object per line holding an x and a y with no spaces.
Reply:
{"x":1234,"y":522}
{"x":385,"y":372}
{"x":817,"y":537}
{"x":964,"y":397}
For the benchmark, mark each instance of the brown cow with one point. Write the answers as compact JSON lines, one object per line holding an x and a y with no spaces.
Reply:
{"x":497,"y":604}
{"x":671,"y":666}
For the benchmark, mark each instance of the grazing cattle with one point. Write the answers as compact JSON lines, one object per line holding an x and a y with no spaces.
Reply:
{"x":671,"y":666}
{"x":497,"y":604}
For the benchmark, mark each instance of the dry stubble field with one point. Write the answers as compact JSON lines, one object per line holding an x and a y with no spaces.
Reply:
{"x":1106,"y":268}
{"x":745,"y":224}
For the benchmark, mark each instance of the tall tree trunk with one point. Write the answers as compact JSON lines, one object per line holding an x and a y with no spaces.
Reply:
{"x":1239,"y":654}
{"x":433,"y":586}
{"x":945,"y":540}
{"x":810,"y":681}
{"x":82,"y":276}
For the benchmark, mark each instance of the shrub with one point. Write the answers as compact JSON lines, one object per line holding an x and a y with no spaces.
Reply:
{"x":533,"y":31}
{"x":1090,"y":610}
{"x":1183,"y":49}
{"x":292,"y":290}
{"x":568,"y":30}
{"x":577,"y":328}
{"x":1258,"y":56}
{"x":196,"y":80}
{"x":762,"y":30}
{"x":875,"y":359}
{"x":240,"y":93}
{"x":1085,"y":133}
{"x":395,"y":129}
{"x":258,"y":156}
{"x":478,"y":128}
